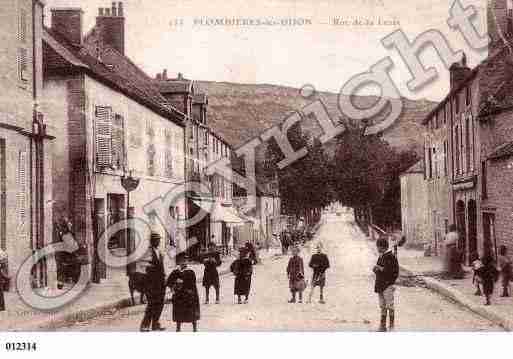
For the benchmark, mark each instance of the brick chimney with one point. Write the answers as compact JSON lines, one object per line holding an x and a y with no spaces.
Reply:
{"x":459,"y":71}
{"x":67,"y":22}
{"x":110,"y":24}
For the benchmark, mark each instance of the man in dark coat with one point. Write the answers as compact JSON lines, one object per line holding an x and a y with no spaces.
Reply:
{"x":186,"y":304}
{"x":211,"y":260}
{"x":155,"y":288}
{"x":242,"y":268}
{"x":387,"y":271}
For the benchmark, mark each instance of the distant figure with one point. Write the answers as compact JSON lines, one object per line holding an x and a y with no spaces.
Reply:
{"x":242,"y":268}
{"x":319,"y":264}
{"x":387,"y":271}
{"x":488,"y":274}
{"x":4,"y":278}
{"x":250,"y":249}
{"x":476,"y":265}
{"x":296,"y":275}
{"x":211,"y":260}
{"x":505,"y":269}
{"x":185,"y":300}
{"x":452,"y":255}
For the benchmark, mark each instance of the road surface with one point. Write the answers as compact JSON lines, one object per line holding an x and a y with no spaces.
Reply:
{"x":351,"y":304}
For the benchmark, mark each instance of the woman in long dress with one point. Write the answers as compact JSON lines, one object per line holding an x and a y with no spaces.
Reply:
{"x":452,"y":258}
{"x":186,"y":304}
{"x":242,"y":268}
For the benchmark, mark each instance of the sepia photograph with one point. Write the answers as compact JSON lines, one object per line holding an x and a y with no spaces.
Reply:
{"x":281,"y":166}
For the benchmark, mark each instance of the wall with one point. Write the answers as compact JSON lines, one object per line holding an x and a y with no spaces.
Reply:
{"x":414,"y":209}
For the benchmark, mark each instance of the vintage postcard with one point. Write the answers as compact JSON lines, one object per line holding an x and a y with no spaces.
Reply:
{"x":271,"y":166}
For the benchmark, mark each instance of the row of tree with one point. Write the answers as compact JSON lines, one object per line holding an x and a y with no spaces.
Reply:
{"x":362,"y":172}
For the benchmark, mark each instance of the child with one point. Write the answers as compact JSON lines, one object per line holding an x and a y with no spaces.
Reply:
{"x":505,"y":268}
{"x":319,"y":263}
{"x":488,"y":274}
{"x":476,"y":265}
{"x":296,"y":275}
{"x":387,"y":271}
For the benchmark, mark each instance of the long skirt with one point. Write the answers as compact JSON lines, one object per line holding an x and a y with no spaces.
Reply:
{"x":2,"y":301}
{"x":242,"y":285}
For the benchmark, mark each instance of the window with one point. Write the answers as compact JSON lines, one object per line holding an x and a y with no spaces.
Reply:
{"x":468,"y":96}
{"x":103,"y":136}
{"x":23,"y":189}
{"x":3,"y":191}
{"x":457,"y":149}
{"x":484,"y":188}
{"x":445,"y":158}
{"x":23,"y":64}
{"x":118,"y":143}
{"x":457,"y":103}
{"x":435,"y":164}
{"x":22,"y":26}
{"x":467,"y":143}
{"x":430,"y":164}
{"x":168,"y":154}
{"x":435,"y":121}
{"x":150,"y":153}
{"x":445,"y":114}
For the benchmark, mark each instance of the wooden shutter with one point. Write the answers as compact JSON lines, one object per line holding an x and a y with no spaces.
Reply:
{"x":22,"y":189}
{"x":103,"y":132}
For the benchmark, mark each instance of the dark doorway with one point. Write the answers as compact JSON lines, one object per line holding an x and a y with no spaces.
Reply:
{"x":472,"y":228}
{"x":460,"y":224}
{"x":489,"y":232}
{"x":99,"y":269}
{"x":116,"y":212}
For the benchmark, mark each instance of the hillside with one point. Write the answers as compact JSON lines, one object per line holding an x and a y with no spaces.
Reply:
{"x":241,"y":112}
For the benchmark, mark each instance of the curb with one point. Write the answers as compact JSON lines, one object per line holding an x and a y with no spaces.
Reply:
{"x":455,"y":295}
{"x":61,"y":320}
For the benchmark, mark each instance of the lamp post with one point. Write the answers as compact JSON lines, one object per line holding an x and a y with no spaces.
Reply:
{"x":130,"y":184}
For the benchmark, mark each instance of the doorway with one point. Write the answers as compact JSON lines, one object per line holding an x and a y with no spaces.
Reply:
{"x":460,"y":224}
{"x":472,"y":229}
{"x":489,"y":232}
{"x":116,"y":213}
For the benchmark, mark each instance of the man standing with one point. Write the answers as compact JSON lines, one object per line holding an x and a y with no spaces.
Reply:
{"x":319,"y":263}
{"x":211,"y":260}
{"x":156,"y":289}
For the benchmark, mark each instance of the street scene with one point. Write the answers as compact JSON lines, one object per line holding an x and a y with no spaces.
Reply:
{"x":205,"y":173}
{"x":349,"y":305}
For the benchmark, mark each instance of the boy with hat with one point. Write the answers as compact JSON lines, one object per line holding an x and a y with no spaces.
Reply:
{"x":387,"y":271}
{"x":319,"y":263}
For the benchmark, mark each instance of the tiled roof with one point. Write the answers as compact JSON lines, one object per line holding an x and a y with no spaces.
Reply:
{"x":502,"y":151}
{"x":116,"y":76}
{"x":174,"y":86}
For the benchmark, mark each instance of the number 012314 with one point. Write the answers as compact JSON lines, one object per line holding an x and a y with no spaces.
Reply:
{"x":21,"y":346}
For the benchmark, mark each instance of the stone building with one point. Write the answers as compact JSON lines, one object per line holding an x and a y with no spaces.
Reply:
{"x":416,"y":226}
{"x":26,"y":135}
{"x":112,"y":123}
{"x":477,"y":134}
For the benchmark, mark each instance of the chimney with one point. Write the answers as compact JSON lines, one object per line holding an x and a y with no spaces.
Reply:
{"x":459,"y":72}
{"x":164,"y":74}
{"x":159,"y":76}
{"x":67,"y":22}
{"x":180,"y":76}
{"x":111,"y":26}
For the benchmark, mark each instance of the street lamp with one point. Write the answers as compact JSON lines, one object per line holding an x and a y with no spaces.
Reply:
{"x":130,"y":184}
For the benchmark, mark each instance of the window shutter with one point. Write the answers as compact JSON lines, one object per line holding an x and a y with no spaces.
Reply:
{"x":22,"y":190}
{"x":103,"y":136}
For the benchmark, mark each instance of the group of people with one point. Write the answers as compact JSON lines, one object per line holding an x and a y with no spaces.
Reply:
{"x":487,"y":272}
{"x":182,"y":282}
{"x":319,"y":263}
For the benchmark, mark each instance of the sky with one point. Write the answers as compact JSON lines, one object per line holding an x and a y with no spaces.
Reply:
{"x":176,"y":35}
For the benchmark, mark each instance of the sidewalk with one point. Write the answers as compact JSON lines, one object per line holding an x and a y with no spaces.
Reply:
{"x":429,"y":270}
{"x":112,"y":294}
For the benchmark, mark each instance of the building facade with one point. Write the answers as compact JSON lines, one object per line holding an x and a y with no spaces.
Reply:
{"x":26,"y":135}
{"x":112,"y":124}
